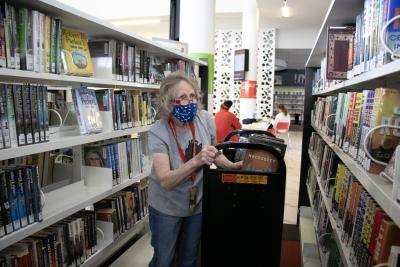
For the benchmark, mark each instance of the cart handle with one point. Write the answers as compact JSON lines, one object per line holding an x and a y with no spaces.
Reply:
{"x":242,"y":131}
{"x":249,"y":146}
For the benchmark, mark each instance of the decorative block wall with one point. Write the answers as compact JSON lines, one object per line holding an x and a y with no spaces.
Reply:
{"x":226,"y":42}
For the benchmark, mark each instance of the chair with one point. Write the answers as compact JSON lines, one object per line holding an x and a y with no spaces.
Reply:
{"x":283,"y":127}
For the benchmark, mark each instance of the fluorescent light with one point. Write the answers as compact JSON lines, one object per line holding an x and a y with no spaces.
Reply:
{"x":135,"y":22}
{"x":285,"y":10}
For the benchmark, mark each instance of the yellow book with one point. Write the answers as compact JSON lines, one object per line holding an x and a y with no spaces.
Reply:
{"x":47,"y":49}
{"x":75,"y":54}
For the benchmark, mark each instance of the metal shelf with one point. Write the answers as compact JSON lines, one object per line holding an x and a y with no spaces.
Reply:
{"x":378,"y":187}
{"x":67,"y":142}
{"x":64,"y":202}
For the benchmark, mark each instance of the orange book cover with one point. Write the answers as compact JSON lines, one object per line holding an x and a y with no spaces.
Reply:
{"x":260,"y":161}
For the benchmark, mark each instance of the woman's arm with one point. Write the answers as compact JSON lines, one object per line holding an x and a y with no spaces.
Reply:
{"x":222,"y":162}
{"x":169,"y":179}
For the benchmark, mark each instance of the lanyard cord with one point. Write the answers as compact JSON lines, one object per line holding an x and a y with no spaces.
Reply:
{"x":180,"y":150}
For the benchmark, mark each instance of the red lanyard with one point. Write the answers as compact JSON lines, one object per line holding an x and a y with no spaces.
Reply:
{"x":183,"y":157}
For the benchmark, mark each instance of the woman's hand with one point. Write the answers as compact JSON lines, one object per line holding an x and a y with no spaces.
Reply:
{"x":237,"y":165}
{"x":207,"y":155}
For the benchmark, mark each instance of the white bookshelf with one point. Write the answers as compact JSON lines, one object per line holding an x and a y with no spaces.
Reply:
{"x":68,"y":141}
{"x":104,"y":252}
{"x":308,"y":238}
{"x":22,"y":76}
{"x":343,"y":249}
{"x":63,"y":202}
{"x":387,"y":75}
{"x":98,"y":28}
{"x":378,"y":187}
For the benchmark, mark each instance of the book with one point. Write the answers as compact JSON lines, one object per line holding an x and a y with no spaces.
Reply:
{"x":93,"y":156}
{"x":259,"y":161}
{"x":388,"y":235}
{"x":75,"y":53}
{"x":339,"y":47}
{"x":87,"y":110}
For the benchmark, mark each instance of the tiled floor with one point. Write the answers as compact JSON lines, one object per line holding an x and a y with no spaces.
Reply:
{"x":139,"y":255}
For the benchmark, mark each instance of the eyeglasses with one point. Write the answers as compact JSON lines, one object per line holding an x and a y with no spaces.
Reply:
{"x":184,"y":99}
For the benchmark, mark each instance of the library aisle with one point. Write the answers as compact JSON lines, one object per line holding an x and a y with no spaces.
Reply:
{"x":140,"y":253}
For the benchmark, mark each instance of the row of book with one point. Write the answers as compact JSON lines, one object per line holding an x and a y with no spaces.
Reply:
{"x":364,"y":226}
{"x":129,"y":108}
{"x":20,"y":202}
{"x":355,"y":50}
{"x":329,"y":251}
{"x":67,"y":243}
{"x":347,"y":117}
{"x":124,"y":156}
{"x":24,"y":115}
{"x":123,"y":209}
{"x":30,"y":40}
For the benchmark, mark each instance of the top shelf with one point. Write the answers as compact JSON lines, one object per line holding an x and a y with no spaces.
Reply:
{"x":97,"y":28}
{"x":340,"y":12}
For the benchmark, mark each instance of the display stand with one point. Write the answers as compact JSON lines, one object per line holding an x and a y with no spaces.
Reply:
{"x":243,"y":214}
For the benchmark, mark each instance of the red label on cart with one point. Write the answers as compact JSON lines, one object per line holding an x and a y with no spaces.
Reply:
{"x":244,"y":178}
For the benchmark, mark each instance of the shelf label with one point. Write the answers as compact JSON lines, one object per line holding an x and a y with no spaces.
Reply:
{"x":244,"y":178}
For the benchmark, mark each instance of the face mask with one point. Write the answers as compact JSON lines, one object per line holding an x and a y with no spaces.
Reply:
{"x":185,"y":113}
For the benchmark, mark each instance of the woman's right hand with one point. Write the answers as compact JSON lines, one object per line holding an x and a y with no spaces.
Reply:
{"x":207,"y":155}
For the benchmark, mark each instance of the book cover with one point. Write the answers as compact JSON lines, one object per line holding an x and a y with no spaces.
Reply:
{"x":20,"y":196}
{"x":85,"y":103}
{"x":23,"y":17}
{"x":383,"y":142}
{"x":34,"y":102}
{"x":47,"y":43}
{"x":26,"y":102}
{"x":388,"y":235}
{"x":58,"y":45}
{"x":11,"y":184}
{"x":26,"y":179}
{"x":76,"y":56}
{"x":259,"y":161}
{"x":93,"y":156}
{"x":5,"y":124}
{"x":339,"y":47}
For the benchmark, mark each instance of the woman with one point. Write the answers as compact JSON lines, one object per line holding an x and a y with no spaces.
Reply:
{"x":282,"y":116}
{"x":180,"y":143}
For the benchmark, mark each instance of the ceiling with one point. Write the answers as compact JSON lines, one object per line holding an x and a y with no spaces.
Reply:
{"x":304,"y":22}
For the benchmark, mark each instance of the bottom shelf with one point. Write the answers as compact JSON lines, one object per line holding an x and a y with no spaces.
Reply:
{"x":106,"y":251}
{"x":308,"y":240}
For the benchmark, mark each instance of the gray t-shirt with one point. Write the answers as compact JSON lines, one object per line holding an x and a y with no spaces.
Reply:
{"x":161,"y":140}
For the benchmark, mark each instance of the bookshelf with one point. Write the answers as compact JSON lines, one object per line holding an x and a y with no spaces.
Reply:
{"x":342,"y":12}
{"x":67,"y":200}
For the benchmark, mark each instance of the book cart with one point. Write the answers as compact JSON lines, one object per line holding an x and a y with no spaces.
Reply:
{"x":315,"y":192}
{"x":87,"y":185}
{"x":243,"y":213}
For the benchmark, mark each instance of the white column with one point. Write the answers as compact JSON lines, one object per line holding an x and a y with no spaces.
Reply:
{"x":250,"y":19}
{"x":197,"y":28}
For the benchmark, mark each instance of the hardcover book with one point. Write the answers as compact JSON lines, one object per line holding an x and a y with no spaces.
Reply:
{"x":339,"y":51}
{"x":75,"y":54}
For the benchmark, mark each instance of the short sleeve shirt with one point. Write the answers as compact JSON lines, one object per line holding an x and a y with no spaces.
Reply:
{"x":161,"y":140}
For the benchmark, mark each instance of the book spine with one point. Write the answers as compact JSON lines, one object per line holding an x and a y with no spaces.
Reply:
{"x":45,"y":113}
{"x":27,"y":114}
{"x":47,"y":43}
{"x":35,"y":187}
{"x":26,"y":179}
{"x":35,"y":20}
{"x":5,"y":205}
{"x":34,"y":113}
{"x":22,"y":36}
{"x":53,"y":45}
{"x":20,"y":197}
{"x":3,"y":56}
{"x":14,"y":36}
{"x":42,"y":36}
{"x":4,"y":118}
{"x":13,"y":200}
{"x":29,"y":42}
{"x":19,"y":114}
{"x":10,"y":60}
{"x":39,"y":112}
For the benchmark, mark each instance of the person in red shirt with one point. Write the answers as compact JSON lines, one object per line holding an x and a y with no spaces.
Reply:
{"x":226,"y":122}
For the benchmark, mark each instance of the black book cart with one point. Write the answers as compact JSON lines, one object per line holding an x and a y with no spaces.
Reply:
{"x":243,"y":213}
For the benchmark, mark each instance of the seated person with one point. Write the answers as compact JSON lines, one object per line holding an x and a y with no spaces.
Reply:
{"x":282,"y":116}
{"x":226,"y":122}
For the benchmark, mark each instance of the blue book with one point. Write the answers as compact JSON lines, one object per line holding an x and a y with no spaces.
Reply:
{"x":13,"y":199}
{"x":20,"y":197}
